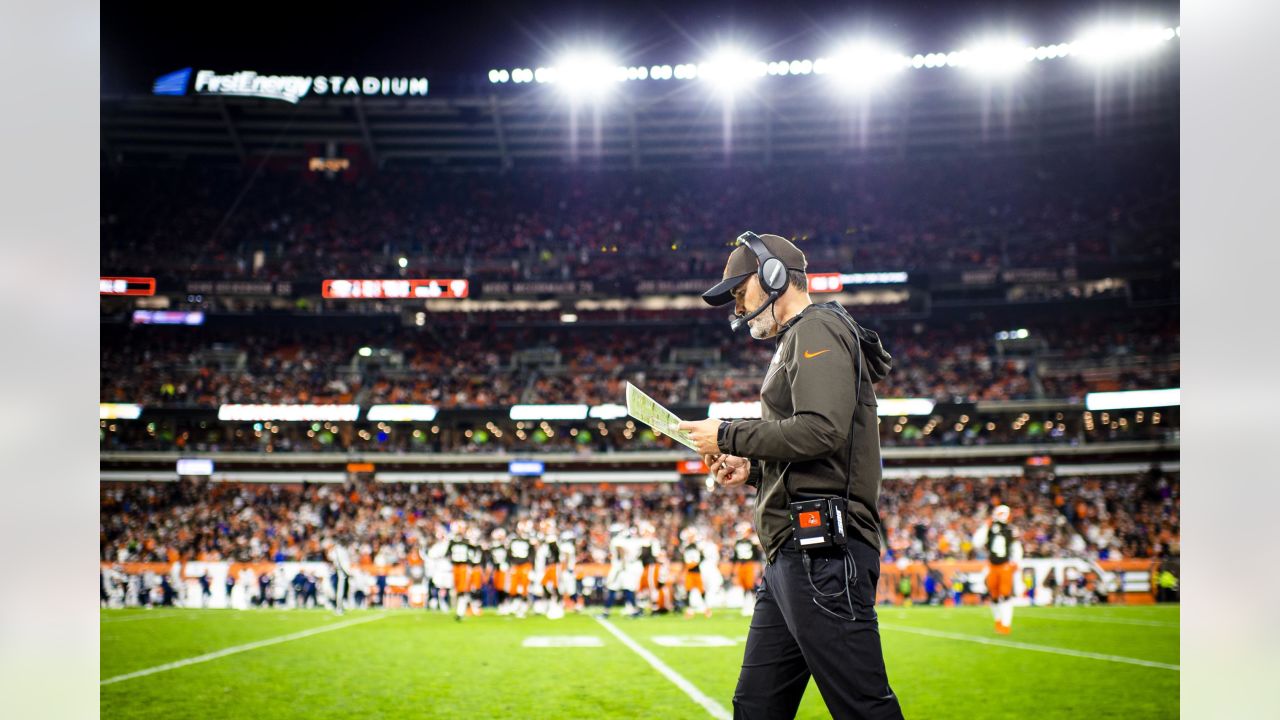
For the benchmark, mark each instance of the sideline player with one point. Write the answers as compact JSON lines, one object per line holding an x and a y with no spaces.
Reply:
{"x":632,"y":570}
{"x":547,"y":569}
{"x":569,"y":571}
{"x":666,"y":582}
{"x":1004,"y":552}
{"x":650,"y":591}
{"x":460,"y":557}
{"x":341,"y":559}
{"x":520,"y":553}
{"x":712,"y":579}
{"x":613,"y":579}
{"x":746,"y":563}
{"x":501,"y":573}
{"x":693,"y":556}
{"x":439,"y":572}
{"x":477,"y":559}
{"x":415,"y":560}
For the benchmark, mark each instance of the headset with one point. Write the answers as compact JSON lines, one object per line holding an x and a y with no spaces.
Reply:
{"x":771,"y":271}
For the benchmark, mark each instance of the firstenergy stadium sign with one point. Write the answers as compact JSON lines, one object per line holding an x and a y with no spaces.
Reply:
{"x":289,"y":88}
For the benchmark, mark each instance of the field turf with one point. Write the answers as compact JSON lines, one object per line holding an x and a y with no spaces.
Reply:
{"x":1106,"y":662}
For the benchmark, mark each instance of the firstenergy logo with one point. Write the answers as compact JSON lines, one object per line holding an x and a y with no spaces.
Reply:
{"x":289,"y":88}
{"x":175,"y":83}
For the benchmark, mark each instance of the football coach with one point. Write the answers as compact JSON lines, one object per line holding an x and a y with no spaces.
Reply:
{"x":814,"y":459}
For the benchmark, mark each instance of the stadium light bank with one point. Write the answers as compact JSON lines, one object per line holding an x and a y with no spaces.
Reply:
{"x":858,"y":65}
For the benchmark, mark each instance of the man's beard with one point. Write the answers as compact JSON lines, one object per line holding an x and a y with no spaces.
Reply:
{"x":762,"y":326}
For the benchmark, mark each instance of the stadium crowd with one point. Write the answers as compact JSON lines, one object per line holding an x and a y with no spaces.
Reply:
{"x":1055,"y":211}
{"x":1101,"y":518}
{"x":925,"y":519}
{"x":468,"y":365}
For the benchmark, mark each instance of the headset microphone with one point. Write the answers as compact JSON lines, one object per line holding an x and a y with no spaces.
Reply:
{"x":736,"y":323}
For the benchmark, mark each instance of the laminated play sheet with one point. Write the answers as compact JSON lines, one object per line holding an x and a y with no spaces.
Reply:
{"x":648,"y":411}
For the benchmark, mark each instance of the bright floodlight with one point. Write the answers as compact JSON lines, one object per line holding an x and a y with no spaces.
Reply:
{"x":862,"y":66}
{"x":1001,"y":57}
{"x":731,"y":70}
{"x":1114,"y":43}
{"x":585,"y":74}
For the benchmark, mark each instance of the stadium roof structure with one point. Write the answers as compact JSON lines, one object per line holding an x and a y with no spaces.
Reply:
{"x":779,"y":121}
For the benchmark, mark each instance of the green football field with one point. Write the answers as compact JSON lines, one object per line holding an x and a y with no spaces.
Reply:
{"x":1105,"y":662}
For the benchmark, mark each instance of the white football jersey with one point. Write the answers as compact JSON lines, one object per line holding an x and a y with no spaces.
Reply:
{"x":341,"y":559}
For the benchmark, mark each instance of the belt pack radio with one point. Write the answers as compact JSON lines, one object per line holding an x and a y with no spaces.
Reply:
{"x":818,"y":523}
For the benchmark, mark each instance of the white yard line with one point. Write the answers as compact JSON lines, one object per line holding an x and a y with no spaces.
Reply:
{"x":1041,"y":615}
{"x":1028,"y":646}
{"x":715,"y":709}
{"x":1059,"y":612}
{"x":241,"y":648}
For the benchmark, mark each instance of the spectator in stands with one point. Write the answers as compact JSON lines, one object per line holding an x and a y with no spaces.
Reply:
{"x":1047,"y":211}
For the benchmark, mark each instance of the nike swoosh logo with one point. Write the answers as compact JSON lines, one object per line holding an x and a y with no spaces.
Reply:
{"x":808,"y":355}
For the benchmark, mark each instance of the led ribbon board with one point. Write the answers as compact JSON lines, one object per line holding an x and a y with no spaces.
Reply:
{"x":119,"y":411}
{"x":548,"y":412}
{"x":126,"y":285}
{"x":428,"y":289}
{"x":287,"y":413}
{"x":401,"y":413}
{"x":1133,"y":399}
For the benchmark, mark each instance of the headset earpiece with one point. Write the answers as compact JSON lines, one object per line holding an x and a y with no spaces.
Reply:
{"x":771,"y":271}
{"x":773,"y":275}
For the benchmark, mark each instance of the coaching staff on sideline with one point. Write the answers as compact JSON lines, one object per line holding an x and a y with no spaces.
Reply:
{"x":818,"y":436}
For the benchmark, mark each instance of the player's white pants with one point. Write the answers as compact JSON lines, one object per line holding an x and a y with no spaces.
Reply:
{"x":631,"y":575}
{"x":614,"y":580}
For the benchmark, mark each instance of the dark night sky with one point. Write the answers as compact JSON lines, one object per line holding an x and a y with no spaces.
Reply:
{"x":141,"y":41}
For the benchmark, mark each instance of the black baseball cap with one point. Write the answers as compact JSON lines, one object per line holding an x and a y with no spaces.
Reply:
{"x":742,"y":264}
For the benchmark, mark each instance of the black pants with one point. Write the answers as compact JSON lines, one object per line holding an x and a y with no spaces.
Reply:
{"x":800,"y":629}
